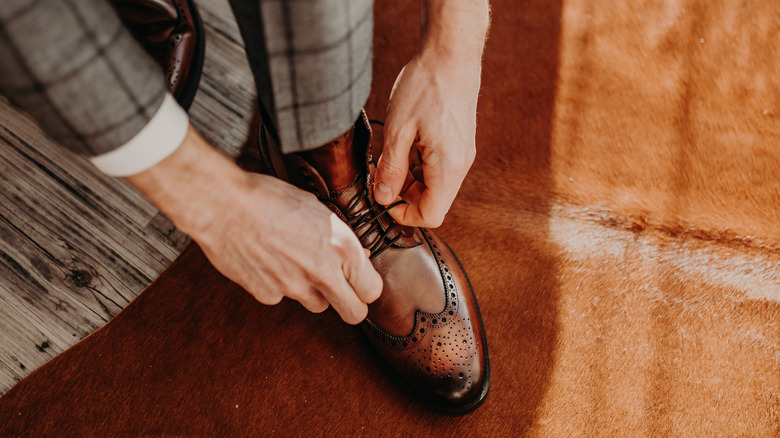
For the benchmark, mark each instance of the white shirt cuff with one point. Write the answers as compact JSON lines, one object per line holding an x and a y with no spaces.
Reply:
{"x":157,"y":140}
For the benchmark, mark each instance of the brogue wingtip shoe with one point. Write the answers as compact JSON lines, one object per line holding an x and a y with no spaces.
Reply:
{"x":444,"y":360}
{"x":426,"y":326}
{"x":172,"y":33}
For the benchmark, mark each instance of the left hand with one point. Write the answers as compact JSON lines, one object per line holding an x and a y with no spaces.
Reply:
{"x":433,"y":108}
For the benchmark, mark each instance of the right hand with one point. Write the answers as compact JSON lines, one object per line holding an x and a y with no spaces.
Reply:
{"x":268,"y":236}
{"x":279,"y":241}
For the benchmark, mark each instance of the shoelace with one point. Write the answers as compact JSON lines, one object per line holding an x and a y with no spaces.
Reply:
{"x":370,"y":218}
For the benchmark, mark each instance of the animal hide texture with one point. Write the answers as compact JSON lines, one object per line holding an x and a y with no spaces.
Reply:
{"x":619,"y":227}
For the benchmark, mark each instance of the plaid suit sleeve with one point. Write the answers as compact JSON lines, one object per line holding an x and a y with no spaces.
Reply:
{"x":312,"y":64}
{"x":73,"y":66}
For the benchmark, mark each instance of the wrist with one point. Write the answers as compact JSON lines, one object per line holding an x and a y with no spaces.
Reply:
{"x":454,"y":31}
{"x":189,"y":185}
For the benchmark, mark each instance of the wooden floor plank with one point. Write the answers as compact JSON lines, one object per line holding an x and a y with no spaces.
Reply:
{"x":77,"y":246}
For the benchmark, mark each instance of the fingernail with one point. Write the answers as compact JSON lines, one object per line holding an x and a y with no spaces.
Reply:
{"x":382,"y":193}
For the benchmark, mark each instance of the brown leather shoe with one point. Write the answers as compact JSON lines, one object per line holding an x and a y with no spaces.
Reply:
{"x":426,"y":325}
{"x":172,"y":33}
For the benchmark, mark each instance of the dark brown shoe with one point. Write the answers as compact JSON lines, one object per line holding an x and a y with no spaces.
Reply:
{"x":172,"y":33}
{"x":426,"y":324}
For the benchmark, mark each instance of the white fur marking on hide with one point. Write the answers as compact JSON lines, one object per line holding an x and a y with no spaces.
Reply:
{"x":755,"y":275}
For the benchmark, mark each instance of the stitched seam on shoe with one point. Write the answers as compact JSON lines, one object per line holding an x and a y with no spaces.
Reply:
{"x":336,"y":193}
{"x":418,"y":313}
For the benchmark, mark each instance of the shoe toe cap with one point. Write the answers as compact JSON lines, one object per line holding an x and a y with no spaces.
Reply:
{"x":443,"y":361}
{"x":455,"y":370}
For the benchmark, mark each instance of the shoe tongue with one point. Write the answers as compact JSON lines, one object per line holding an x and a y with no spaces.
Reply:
{"x":337,"y":163}
{"x":338,"y":174}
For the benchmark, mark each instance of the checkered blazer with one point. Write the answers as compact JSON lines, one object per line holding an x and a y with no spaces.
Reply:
{"x":73,"y":66}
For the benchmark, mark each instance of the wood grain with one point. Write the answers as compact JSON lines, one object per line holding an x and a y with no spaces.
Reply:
{"x":76,"y":246}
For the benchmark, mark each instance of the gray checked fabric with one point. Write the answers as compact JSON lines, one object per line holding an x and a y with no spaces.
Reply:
{"x":74,"y":67}
{"x":312,"y":64}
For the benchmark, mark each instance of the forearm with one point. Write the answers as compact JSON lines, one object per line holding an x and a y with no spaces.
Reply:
{"x":454,"y":29}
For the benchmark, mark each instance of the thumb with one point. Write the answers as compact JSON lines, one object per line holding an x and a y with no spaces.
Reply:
{"x":393,"y":165}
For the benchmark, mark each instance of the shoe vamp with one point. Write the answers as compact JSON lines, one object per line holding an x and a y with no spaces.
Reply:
{"x":412,"y":281}
{"x":444,"y":356}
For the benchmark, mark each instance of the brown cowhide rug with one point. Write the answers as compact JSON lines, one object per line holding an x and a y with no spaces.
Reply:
{"x":620,"y":227}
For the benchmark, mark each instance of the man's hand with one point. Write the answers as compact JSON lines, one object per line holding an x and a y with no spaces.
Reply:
{"x":433,"y":108}
{"x":273,"y":239}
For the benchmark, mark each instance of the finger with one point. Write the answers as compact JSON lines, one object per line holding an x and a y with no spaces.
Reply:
{"x":345,"y":301}
{"x":266,"y":298}
{"x":425,"y":206}
{"x":342,"y":296}
{"x":407,"y":183}
{"x":330,"y":279}
{"x":361,"y":275}
{"x":413,"y":192}
{"x":314,"y":301}
{"x":409,"y":212}
{"x":429,"y":201}
{"x":393,"y":165}
{"x":259,"y":286}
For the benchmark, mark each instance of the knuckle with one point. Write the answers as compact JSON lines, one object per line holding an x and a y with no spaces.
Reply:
{"x":294,"y":293}
{"x":348,"y":248}
{"x":340,"y":239}
{"x":358,"y":266}
{"x":435,"y":223}
{"x":461,"y":164}
{"x":375,"y":290}
{"x":269,"y":299}
{"x":389,"y":170}
{"x":434,"y":220}
{"x":296,"y":289}
{"x":348,"y":266}
{"x":351,"y":256}
{"x":319,"y":307}
{"x":319,"y":277}
{"x":314,"y":303}
{"x":356,"y":316}
{"x":394,"y":132}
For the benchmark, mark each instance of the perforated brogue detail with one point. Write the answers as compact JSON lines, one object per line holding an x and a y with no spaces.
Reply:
{"x":172,"y":71}
{"x":441,"y":350}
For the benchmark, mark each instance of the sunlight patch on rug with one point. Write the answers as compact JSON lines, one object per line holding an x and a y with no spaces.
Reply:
{"x":745,"y":270}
